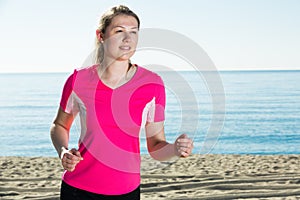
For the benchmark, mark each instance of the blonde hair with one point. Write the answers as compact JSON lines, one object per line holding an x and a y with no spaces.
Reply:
{"x":105,"y":21}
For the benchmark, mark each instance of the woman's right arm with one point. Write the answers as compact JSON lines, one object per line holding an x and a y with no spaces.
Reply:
{"x":60,"y":130}
{"x":60,"y":138}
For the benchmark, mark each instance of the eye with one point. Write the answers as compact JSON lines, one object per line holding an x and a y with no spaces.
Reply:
{"x":119,"y":31}
{"x":134,"y":32}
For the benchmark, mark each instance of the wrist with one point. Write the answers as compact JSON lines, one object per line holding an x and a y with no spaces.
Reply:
{"x":63,"y":150}
{"x":176,"y":152}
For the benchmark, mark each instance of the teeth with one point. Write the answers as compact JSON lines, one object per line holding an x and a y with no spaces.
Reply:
{"x":125,"y":48}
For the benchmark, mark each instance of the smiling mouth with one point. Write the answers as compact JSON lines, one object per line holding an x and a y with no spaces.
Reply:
{"x":126,"y":48}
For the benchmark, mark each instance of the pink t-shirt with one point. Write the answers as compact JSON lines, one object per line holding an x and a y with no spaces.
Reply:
{"x":111,"y":120}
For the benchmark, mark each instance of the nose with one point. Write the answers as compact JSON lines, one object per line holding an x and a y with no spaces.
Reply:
{"x":126,"y":37}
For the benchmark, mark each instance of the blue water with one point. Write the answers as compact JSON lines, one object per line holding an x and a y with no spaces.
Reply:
{"x":262,"y":112}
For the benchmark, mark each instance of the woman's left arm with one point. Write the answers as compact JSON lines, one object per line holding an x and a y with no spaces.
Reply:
{"x":160,"y":149}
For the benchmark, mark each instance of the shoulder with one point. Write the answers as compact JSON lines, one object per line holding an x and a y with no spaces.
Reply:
{"x":149,"y":75}
{"x":81,"y":75}
{"x":88,"y":70}
{"x":84,"y":73}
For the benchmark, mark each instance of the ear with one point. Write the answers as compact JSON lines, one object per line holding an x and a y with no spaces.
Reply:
{"x":99,"y":35}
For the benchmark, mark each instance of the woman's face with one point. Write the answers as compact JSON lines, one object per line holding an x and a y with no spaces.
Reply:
{"x":121,"y":37}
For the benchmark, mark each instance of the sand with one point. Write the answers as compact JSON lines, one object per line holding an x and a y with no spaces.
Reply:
{"x":197,"y":177}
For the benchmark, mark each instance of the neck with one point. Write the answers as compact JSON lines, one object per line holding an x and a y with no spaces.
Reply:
{"x":115,"y":74}
{"x":114,"y":68}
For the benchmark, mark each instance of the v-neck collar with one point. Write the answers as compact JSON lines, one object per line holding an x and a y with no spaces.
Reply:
{"x":120,"y":86}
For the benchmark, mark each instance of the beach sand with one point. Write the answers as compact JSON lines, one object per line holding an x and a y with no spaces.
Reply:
{"x":197,"y":177}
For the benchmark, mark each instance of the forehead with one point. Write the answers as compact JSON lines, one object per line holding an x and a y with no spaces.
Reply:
{"x":124,"y":21}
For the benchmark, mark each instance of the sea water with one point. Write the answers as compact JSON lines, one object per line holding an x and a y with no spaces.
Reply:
{"x":261,"y":113}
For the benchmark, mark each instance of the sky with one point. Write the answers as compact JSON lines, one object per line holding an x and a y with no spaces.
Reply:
{"x":57,"y":36}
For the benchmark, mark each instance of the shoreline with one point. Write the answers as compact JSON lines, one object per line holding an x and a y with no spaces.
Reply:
{"x":212,"y":176}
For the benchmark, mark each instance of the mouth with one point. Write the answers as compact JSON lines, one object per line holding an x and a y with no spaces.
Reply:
{"x":125,"y":48}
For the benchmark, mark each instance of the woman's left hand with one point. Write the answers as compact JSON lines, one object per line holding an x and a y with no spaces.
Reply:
{"x":183,"y":146}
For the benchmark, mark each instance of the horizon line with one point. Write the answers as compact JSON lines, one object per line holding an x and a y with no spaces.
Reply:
{"x":179,"y":70}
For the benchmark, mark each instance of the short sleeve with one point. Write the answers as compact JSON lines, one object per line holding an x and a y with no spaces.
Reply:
{"x":68,"y":102}
{"x":160,"y":101}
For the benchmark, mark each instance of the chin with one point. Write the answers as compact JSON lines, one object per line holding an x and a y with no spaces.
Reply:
{"x":124,"y":57}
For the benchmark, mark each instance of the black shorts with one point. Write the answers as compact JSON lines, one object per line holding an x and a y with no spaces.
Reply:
{"x":68,"y":192}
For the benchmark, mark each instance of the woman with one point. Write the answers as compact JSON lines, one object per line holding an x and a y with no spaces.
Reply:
{"x":114,"y":99}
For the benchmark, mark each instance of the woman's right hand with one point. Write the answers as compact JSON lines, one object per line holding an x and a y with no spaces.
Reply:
{"x":70,"y":158}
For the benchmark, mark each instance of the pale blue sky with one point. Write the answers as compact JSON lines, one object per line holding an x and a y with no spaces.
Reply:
{"x":50,"y":36}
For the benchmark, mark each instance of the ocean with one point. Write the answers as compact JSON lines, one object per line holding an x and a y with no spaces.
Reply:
{"x":257,"y":112}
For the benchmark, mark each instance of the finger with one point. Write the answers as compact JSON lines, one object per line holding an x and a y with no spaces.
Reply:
{"x":184,"y":154}
{"x":187,"y":143}
{"x":76,"y":153}
{"x":69,"y":158}
{"x":183,"y":145}
{"x":183,"y":136}
{"x":72,"y":157}
{"x":185,"y":150}
{"x":181,"y":152}
{"x":184,"y":140}
{"x":65,"y":160}
{"x":71,"y":161}
{"x":70,"y":169}
{"x":189,"y":150}
{"x":67,"y":166}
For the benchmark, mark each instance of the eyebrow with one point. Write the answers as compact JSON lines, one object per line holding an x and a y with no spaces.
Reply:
{"x":118,"y":26}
